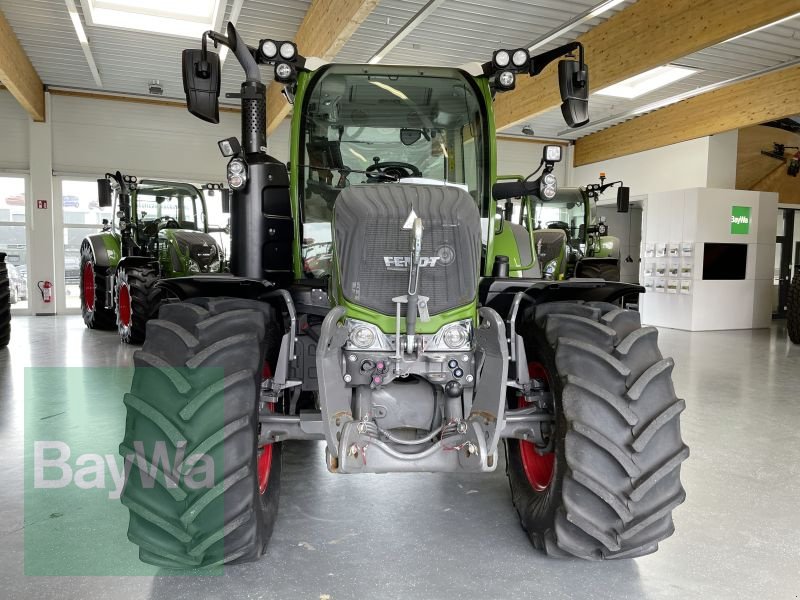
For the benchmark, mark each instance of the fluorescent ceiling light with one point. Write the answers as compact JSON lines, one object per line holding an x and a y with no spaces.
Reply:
{"x":84,"y":41}
{"x":605,"y":6}
{"x":184,"y":18}
{"x":565,"y":28}
{"x":647,"y":81}
{"x":763,"y":27}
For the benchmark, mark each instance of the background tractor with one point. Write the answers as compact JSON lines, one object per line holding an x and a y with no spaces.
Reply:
{"x":160,"y":230}
{"x":425,"y":347}
{"x":570,"y":239}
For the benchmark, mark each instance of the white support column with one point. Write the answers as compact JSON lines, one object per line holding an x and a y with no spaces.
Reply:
{"x":723,"y":149}
{"x":40,"y":221}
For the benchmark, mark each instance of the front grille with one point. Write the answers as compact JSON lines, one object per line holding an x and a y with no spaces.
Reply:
{"x":368,"y":229}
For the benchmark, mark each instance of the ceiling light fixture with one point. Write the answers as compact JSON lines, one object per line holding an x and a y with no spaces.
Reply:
{"x":407,"y":28}
{"x":574,"y":22}
{"x":84,"y":41}
{"x":648,"y":81}
{"x":763,"y":27}
{"x":183,"y":18}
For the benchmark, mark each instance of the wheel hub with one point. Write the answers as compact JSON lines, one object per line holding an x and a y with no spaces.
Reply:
{"x":88,"y":285}
{"x":538,"y":467}
{"x":265,"y":452}
{"x":124,"y":305}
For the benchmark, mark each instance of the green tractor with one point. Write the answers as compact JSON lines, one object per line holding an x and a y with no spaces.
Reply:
{"x":161,"y":231}
{"x":570,"y":239}
{"x":424,"y":348}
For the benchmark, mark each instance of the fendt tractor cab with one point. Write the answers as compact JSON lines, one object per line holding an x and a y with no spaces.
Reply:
{"x":569,"y":238}
{"x":160,"y":230}
{"x":418,"y":347}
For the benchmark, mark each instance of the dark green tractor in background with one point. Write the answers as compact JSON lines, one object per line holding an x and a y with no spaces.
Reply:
{"x":160,"y":230}
{"x":569,"y":238}
{"x":425,"y":342}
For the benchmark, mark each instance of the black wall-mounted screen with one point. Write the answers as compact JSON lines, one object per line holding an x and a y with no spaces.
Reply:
{"x":724,"y":261}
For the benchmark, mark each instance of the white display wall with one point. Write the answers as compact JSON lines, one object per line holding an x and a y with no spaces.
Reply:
{"x":677,"y":224}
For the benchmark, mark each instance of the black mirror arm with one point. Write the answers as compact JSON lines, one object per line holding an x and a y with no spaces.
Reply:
{"x":244,"y":54}
{"x":540,"y":61}
{"x":120,"y":181}
{"x":597,"y":189}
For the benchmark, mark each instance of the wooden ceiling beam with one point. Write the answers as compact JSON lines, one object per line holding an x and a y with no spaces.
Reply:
{"x":325,"y":29}
{"x":760,"y":99}
{"x":17,"y":73}
{"x":645,"y":35}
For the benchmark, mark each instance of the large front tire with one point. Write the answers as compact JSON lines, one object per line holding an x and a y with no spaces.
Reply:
{"x":93,"y":293}
{"x":793,"y":310}
{"x":196,"y":391}
{"x":615,"y":474}
{"x":137,"y":301}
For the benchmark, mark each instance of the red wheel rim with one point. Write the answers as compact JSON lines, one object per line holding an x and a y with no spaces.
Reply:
{"x":124,"y":305}
{"x":265,"y":452}
{"x":88,"y":286}
{"x":538,"y":467}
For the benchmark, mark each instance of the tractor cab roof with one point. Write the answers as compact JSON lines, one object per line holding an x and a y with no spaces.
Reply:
{"x":169,"y":189}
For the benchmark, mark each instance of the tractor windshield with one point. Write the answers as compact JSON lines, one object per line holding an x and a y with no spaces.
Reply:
{"x":166,"y":205}
{"x":394,"y":126}
{"x":566,"y":212}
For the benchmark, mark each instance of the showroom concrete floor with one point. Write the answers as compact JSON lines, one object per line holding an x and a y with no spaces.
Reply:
{"x":408,"y":536}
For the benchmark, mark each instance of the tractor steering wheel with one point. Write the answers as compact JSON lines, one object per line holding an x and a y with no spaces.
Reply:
{"x":166,"y":223}
{"x":391,"y":171}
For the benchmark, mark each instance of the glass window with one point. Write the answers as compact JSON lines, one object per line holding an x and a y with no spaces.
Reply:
{"x":13,"y":237}
{"x":397,"y":124}
{"x":567,"y":216}
{"x":159,"y":204}
{"x":82,"y":217}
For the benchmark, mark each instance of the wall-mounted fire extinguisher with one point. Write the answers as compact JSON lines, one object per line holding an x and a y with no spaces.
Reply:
{"x":46,"y":289}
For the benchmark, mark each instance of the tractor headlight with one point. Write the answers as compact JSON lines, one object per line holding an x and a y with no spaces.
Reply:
{"x":502,"y":58}
{"x":506,"y":80}
{"x":237,"y":174}
{"x":520,"y":57}
{"x":288,"y":50}
{"x":455,"y":336}
{"x":213,"y":267}
{"x":194,"y":266}
{"x":269,"y":49}
{"x":362,"y":336}
{"x":548,"y":186}
{"x":365,"y":336}
{"x":284,"y":72}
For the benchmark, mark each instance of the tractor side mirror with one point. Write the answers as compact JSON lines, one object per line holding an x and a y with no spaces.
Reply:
{"x":103,"y":193}
{"x":573,"y":81}
{"x":226,"y":201}
{"x":623,"y":199}
{"x":201,"y":83}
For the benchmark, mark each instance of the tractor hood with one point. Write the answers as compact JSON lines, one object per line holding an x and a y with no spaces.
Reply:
{"x":200,"y":249}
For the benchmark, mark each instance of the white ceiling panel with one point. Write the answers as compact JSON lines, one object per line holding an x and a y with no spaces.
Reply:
{"x":457,"y":32}
{"x":763,"y":49}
